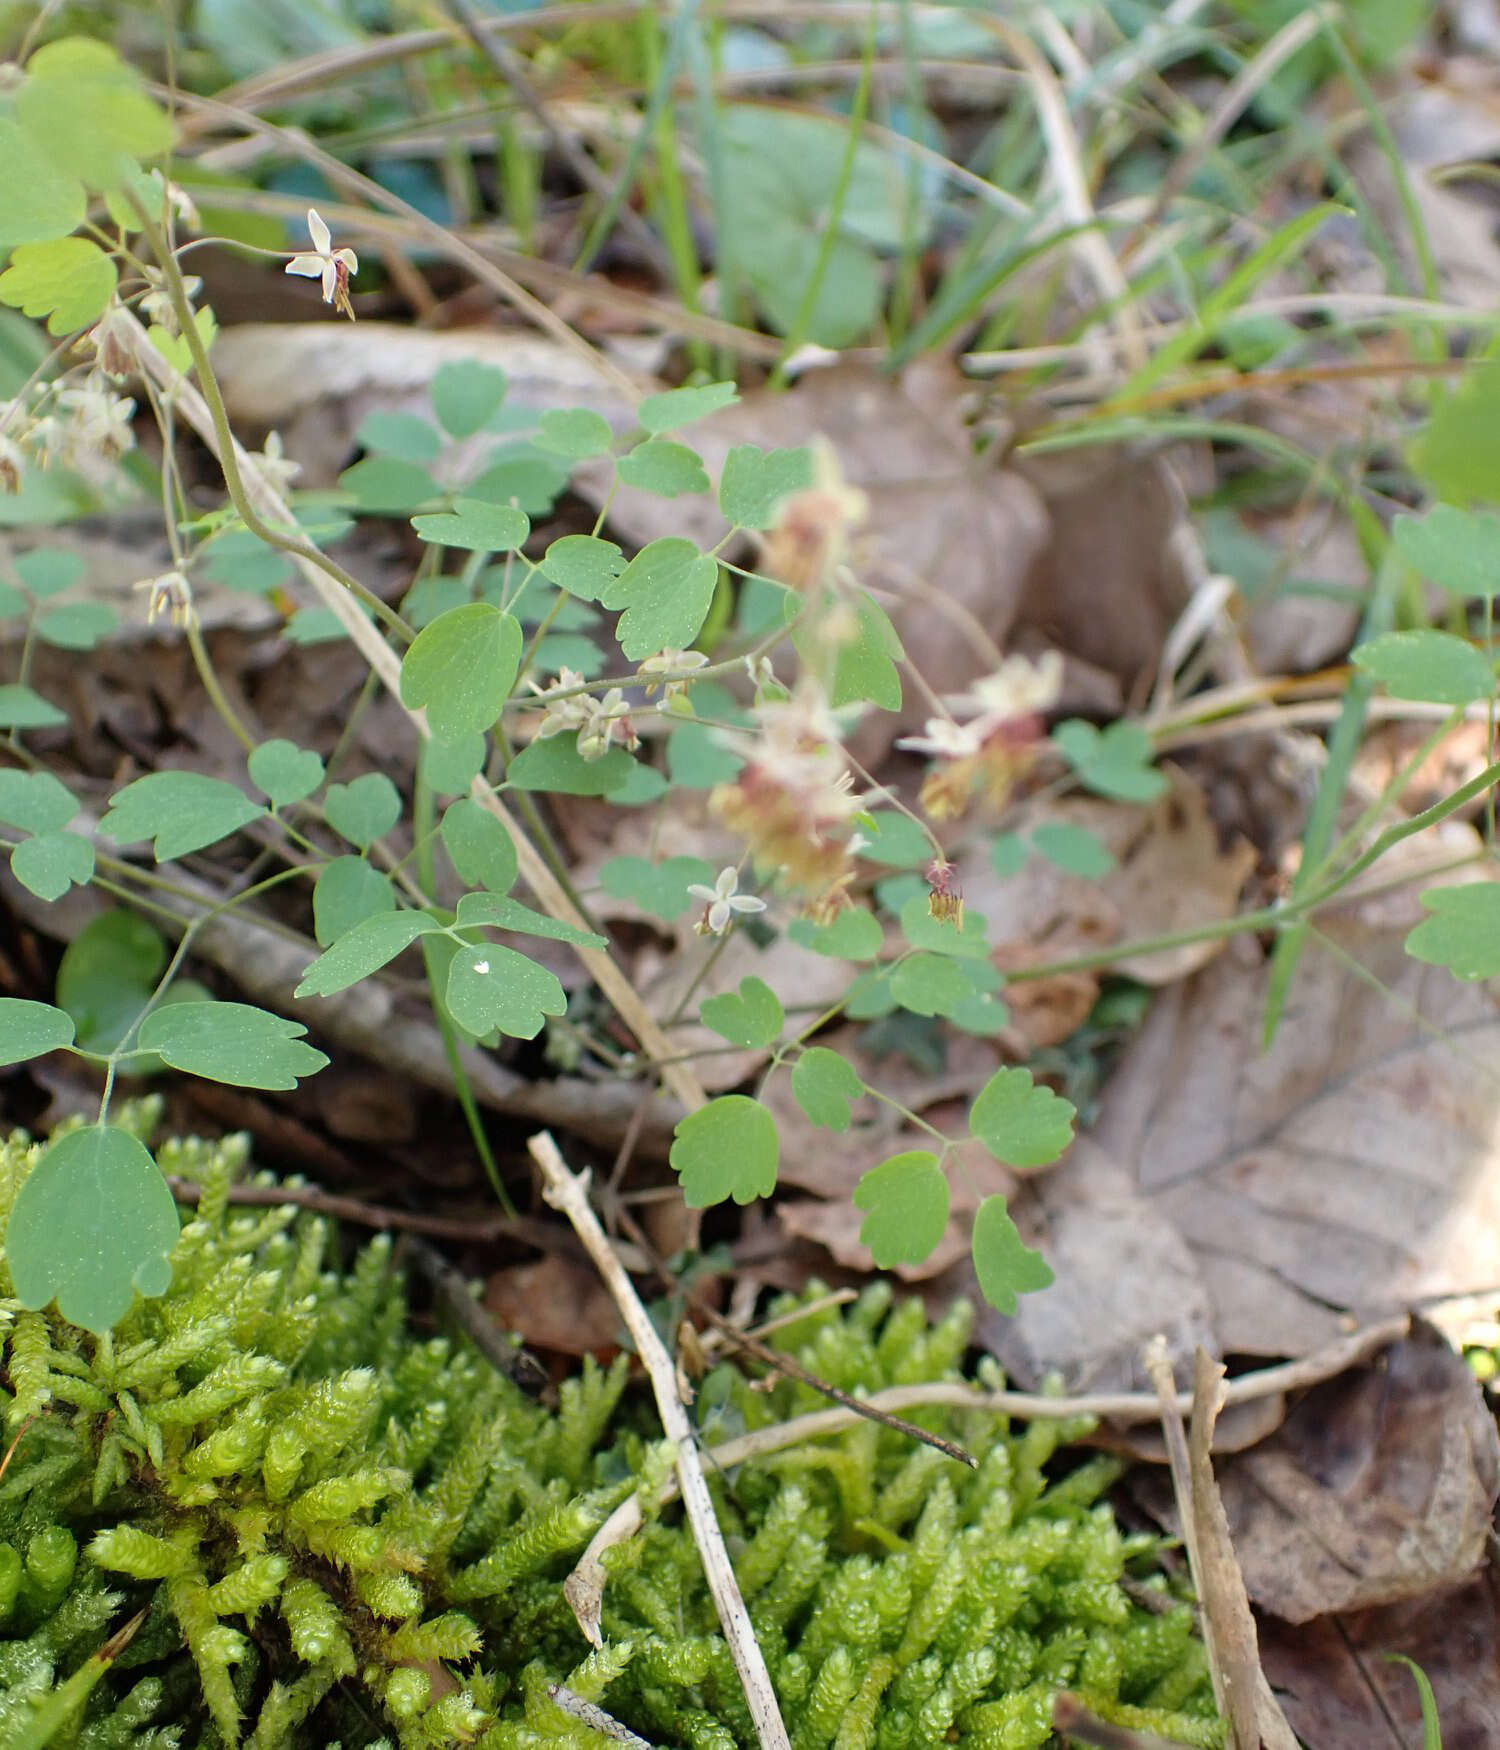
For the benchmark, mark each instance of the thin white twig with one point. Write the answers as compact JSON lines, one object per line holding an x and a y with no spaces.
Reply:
{"x":568,"y":1192}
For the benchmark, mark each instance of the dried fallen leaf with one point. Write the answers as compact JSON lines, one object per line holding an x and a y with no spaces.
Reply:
{"x":557,"y":1303}
{"x":1378,"y":1487}
{"x":1353,"y":1166}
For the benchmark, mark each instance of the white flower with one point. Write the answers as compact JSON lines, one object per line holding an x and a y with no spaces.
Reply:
{"x":722,"y":902}
{"x":332,"y":266}
{"x":156,"y":304}
{"x":944,"y":739}
{"x":671,"y":669}
{"x":98,"y":423}
{"x":276,"y":468}
{"x":170,"y":594}
{"x":1018,"y":688}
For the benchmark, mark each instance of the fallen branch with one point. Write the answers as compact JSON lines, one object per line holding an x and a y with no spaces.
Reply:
{"x":568,"y":1192}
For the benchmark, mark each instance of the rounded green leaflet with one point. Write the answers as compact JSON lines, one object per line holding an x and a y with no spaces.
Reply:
{"x":47,"y":571}
{"x":1463,"y":932}
{"x":727,"y":1148}
{"x":854,"y":934}
{"x":348,"y":890}
{"x":1021,"y":1124}
{"x":575,"y":432}
{"x":482,"y":851}
{"x":285,"y":772}
{"x":106,"y":976}
{"x":583,"y":565}
{"x":1005,"y":1265}
{"x":1114,"y":762}
{"x":476,"y":525}
{"x":35,"y":801}
{"x":231,"y":1042}
{"x":677,"y":407}
{"x":461,"y":668}
{"x":68,"y":280}
{"x":22,"y":708}
{"x":494,"y":989}
{"x":450,"y":767}
{"x":466,"y":396}
{"x":364,"y":810}
{"x":83,"y":105}
{"x":402,"y":435}
{"x":389,"y":486}
{"x":40,"y":201}
{"x":752,"y":1017}
{"x":824,"y":1085}
{"x":906,"y":1200}
{"x":52,"y":862}
{"x":1431,"y":666}
{"x":76,"y":625}
{"x":665,"y":592}
{"x":94,"y":1223}
{"x":658,"y":888}
{"x":363,"y":950}
{"x":1457,"y":549}
{"x":930,"y":984}
{"x":180,"y":811}
{"x":554,"y":763}
{"x":30,"y":1029}
{"x":754,"y":482}
{"x":664,"y":468}
{"x":1073,"y":848}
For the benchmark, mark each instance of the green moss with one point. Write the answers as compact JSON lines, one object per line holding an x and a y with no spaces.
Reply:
{"x":335,"y":1532}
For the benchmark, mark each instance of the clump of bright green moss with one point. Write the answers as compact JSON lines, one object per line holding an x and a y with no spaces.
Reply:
{"x":317,"y":1528}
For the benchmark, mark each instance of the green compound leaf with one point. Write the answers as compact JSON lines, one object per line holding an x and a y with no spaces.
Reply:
{"x":907,"y":1202}
{"x":466,"y":396}
{"x":1073,"y":848}
{"x":492,"y":910}
{"x":1463,"y":932}
{"x":365,"y":949}
{"x":1428,"y":665}
{"x":363,"y":810}
{"x":35,"y":801}
{"x":754,"y":1017}
{"x":554,"y":763}
{"x":1113,"y":762}
{"x":665,"y":592}
{"x":180,"y":811}
{"x":1456,"y":549}
{"x":1021,"y":1124}
{"x":678,"y":407}
{"x":77,"y":625}
{"x":658,"y":888}
{"x":855,"y":934}
{"x":347,"y":892}
{"x":824,"y":1086}
{"x":231,"y":1042}
{"x":1005,"y":1265}
{"x":94,"y":1223}
{"x":285,"y":772}
{"x":52,"y":862}
{"x":575,"y":432}
{"x":659,"y":466}
{"x":480,"y":848}
{"x":30,"y":1030}
{"x":754,"y":482}
{"x":84,"y":107}
{"x":493,"y":989}
{"x":462,"y":668}
{"x":41,"y":202}
{"x":21,"y":708}
{"x":69,"y":281}
{"x":728,"y":1148}
{"x":402,"y":435}
{"x":475,"y":525}
{"x":583,"y":565}
{"x":930,"y":984}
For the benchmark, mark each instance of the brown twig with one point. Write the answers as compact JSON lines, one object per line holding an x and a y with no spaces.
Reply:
{"x":569,"y":1193}
{"x":501,"y":1348}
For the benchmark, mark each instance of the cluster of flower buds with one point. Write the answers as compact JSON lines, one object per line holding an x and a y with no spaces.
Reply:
{"x":598,"y":723}
{"x":82,"y":425}
{"x":794,"y":802}
{"x":671,"y":672}
{"x":991,"y":738}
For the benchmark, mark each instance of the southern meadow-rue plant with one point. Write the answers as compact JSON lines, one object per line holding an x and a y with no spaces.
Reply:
{"x":536,"y":669}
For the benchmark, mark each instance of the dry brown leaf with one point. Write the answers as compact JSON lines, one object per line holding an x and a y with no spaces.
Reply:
{"x":557,"y":1303}
{"x":1309,"y":613}
{"x":1378,"y":1487}
{"x":1171,"y":873}
{"x":315,"y":382}
{"x":1343,"y":1691}
{"x":1353,"y":1166}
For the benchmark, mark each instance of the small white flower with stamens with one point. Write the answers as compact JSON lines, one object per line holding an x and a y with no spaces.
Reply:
{"x":721,"y":902}
{"x":944,"y":739}
{"x":671,"y":670}
{"x":332,"y":266}
{"x":1018,"y":688}
{"x":169,"y":594}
